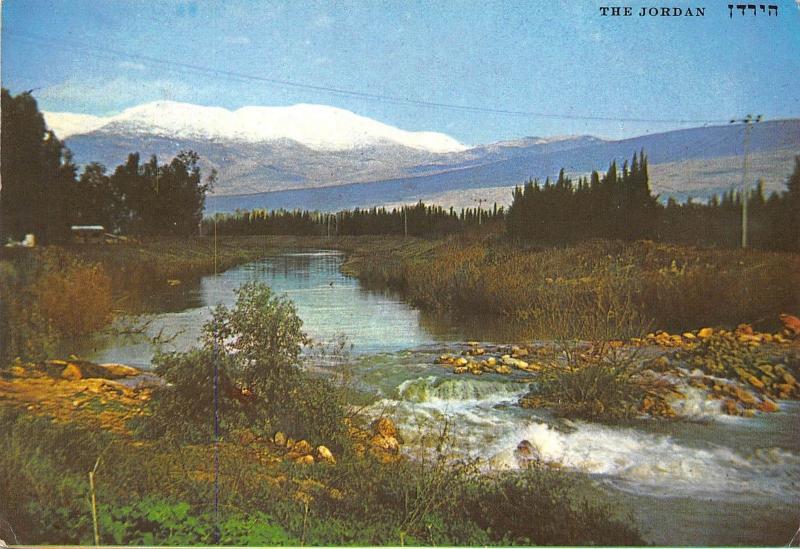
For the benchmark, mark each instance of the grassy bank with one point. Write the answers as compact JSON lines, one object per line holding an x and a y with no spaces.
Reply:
{"x":598,"y":289}
{"x":60,"y":425}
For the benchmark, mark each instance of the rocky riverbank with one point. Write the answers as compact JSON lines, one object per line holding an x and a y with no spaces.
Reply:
{"x":702,"y":372}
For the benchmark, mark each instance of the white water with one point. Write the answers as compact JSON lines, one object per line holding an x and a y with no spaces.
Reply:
{"x":486,"y":424}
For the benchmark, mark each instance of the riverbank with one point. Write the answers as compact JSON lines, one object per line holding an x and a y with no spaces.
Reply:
{"x":594,"y":290}
{"x":62,"y":419}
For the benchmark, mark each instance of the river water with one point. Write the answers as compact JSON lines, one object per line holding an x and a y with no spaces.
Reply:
{"x":715,"y":480}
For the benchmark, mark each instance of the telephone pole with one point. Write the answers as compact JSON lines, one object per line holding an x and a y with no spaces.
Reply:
{"x":480,"y":202}
{"x":748,"y":122}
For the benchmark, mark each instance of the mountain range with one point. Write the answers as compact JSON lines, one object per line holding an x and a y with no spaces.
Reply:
{"x":320,"y":157}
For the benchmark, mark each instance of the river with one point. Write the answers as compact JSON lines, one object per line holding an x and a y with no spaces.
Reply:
{"x":716,"y":480}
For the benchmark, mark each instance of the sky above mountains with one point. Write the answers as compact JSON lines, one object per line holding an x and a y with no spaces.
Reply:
{"x":411,"y":64}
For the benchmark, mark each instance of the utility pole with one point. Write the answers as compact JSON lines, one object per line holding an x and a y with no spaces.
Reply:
{"x":748,"y":122}
{"x":480,"y":202}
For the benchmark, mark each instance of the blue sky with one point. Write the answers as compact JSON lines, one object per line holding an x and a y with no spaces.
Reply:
{"x":99,"y":57}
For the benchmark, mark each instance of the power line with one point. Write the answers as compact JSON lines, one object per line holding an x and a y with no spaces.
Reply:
{"x":111,"y":53}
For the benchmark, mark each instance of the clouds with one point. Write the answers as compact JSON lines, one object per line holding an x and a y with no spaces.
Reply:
{"x":97,"y":95}
{"x":130,"y":65}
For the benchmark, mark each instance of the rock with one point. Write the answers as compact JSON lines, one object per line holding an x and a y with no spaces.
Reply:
{"x":729,"y":407}
{"x":324,"y":454}
{"x":503,"y":369}
{"x":491,"y":361}
{"x":745,"y":397}
{"x":754,"y":381}
{"x":473,"y":343}
{"x":304,"y":460}
{"x":279,"y":438}
{"x":460,"y":370}
{"x":789,"y":379}
{"x":527,"y":454}
{"x":385,"y":443}
{"x":460,"y":361}
{"x":302,"y":447}
{"x":385,"y":427}
{"x":791,"y":323}
{"x":744,"y":329}
{"x":290,"y":443}
{"x":768,"y":406}
{"x":71,"y":372}
{"x":705,"y":333}
{"x":689,"y":335}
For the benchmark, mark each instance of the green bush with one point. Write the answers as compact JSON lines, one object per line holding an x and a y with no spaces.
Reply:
{"x":152,"y":521}
{"x":256,"y":348}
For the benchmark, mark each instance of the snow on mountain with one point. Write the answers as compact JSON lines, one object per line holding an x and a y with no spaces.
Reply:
{"x":318,"y":127}
{"x":66,"y":124}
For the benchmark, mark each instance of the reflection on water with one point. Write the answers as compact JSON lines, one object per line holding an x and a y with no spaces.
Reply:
{"x":328,"y":303}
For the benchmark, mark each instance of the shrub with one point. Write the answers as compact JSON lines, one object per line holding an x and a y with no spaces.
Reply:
{"x":261,"y":386}
{"x":598,"y":383}
{"x":76,"y":300}
{"x":541,"y":506}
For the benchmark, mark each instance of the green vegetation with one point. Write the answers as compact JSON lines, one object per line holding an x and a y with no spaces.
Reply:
{"x":599,"y":382}
{"x":255,"y":348}
{"x":617,"y":205}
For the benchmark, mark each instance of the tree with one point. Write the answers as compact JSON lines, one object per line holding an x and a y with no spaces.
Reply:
{"x":37,"y":173}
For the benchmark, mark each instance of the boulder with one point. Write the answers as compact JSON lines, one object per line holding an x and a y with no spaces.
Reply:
{"x":302,"y":448}
{"x":72,"y":372}
{"x":768,"y":406}
{"x":729,"y":407}
{"x":705,"y":333}
{"x":527,"y":454}
{"x":279,"y":438}
{"x":385,"y":443}
{"x":324,"y":454}
{"x":304,"y":460}
{"x":385,"y":427}
{"x":791,"y":323}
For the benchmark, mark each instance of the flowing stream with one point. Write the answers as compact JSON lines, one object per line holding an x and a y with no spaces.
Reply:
{"x":718,"y":481}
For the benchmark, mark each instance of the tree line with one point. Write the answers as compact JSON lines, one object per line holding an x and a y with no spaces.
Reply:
{"x":620,"y":205}
{"x":43,"y":194}
{"x":617,"y":205}
{"x":419,"y":220}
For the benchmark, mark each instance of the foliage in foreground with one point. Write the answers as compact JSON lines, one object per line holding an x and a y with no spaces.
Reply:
{"x":161,"y":494}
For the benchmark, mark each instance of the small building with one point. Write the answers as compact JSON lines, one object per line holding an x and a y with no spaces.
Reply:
{"x":88,"y":234}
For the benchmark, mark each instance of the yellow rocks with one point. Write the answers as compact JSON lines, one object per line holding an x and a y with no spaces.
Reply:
{"x":768,"y":406}
{"x":324,"y":454}
{"x":304,"y":460}
{"x":71,"y":372}
{"x":461,"y":361}
{"x":279,"y":438}
{"x":705,"y":333}
{"x":302,"y":447}
{"x":460,"y":370}
{"x":690,"y":336}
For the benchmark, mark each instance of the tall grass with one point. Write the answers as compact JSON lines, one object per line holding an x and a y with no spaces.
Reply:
{"x":596,"y":289}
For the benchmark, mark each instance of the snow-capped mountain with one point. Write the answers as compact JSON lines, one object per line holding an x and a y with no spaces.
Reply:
{"x":318,"y":127}
{"x":291,"y":153}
